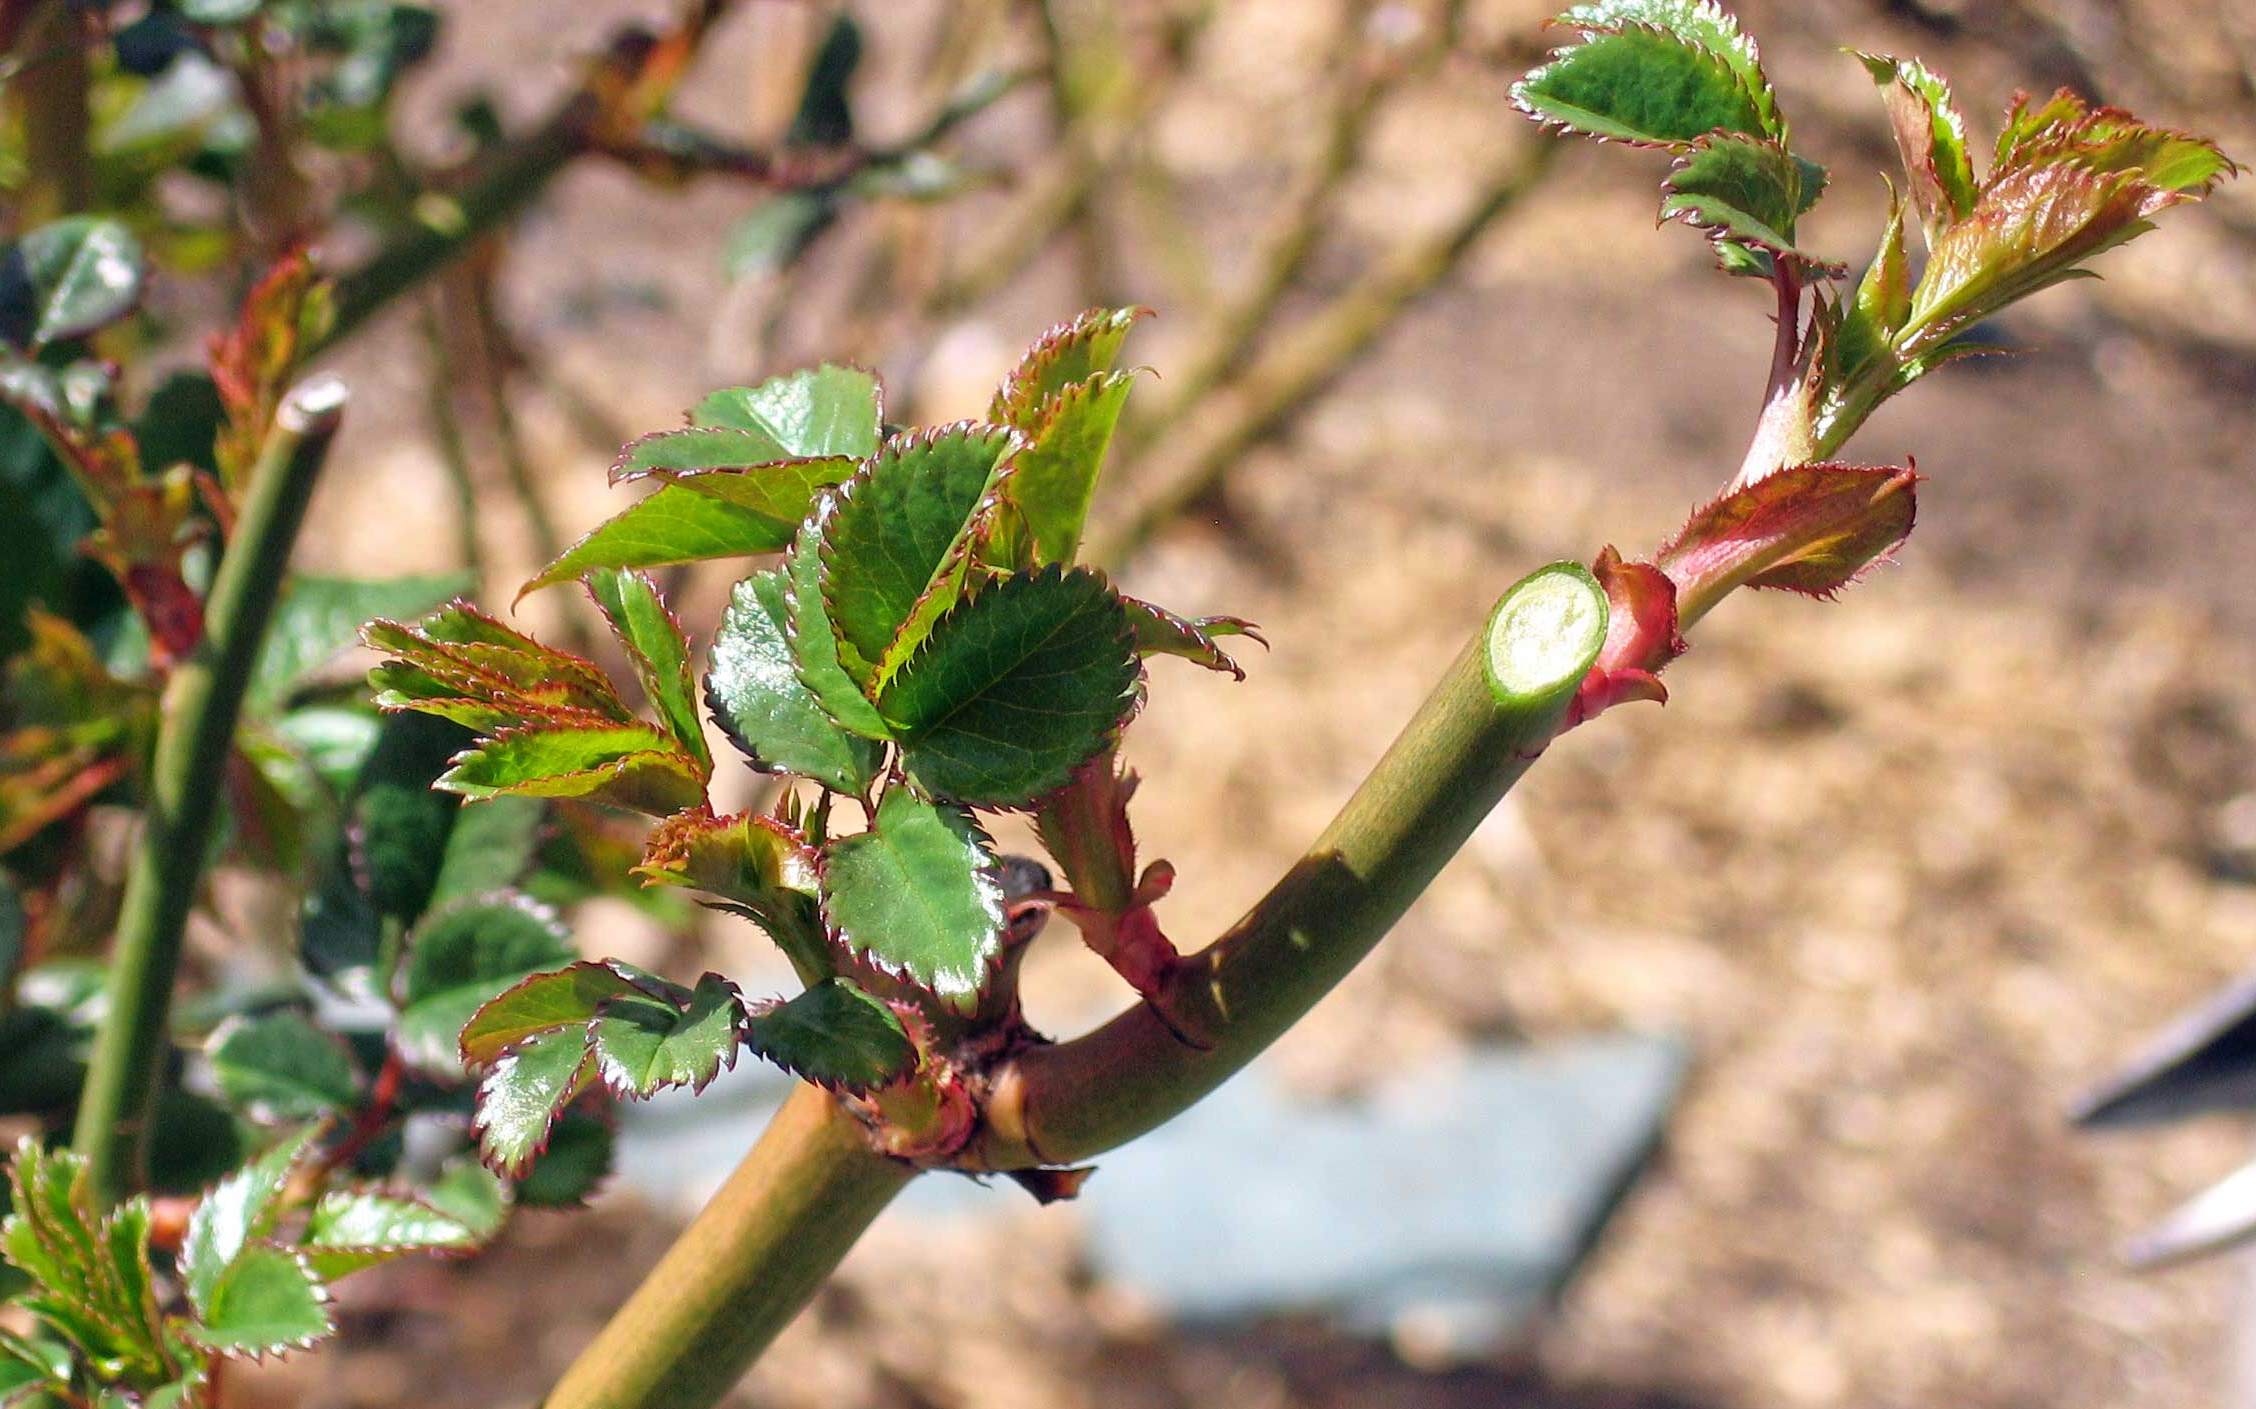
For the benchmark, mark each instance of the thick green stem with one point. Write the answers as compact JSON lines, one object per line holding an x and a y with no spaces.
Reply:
{"x":1488,"y":719}
{"x":742,"y":1270}
{"x":202,"y":701}
{"x":814,"y":1182}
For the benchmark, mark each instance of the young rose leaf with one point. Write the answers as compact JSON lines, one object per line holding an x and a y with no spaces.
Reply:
{"x":579,"y":1156}
{"x":2069,"y":183}
{"x":1661,"y":73}
{"x":519,"y":1100}
{"x":1743,"y":191}
{"x":1159,"y":632}
{"x":1930,"y":137}
{"x":462,"y":957}
{"x":1865,"y":335}
{"x":815,"y":653}
{"x":895,"y":547}
{"x":677,"y":524}
{"x":318,"y":617}
{"x":90,"y":1273}
{"x":540,"y":1003}
{"x":466,"y":653}
{"x":642,"y":1045}
{"x":239,"y":1210}
{"x":658,"y":651}
{"x":628,"y":765}
{"x":835,"y":1035}
{"x":1056,"y":475}
{"x":758,"y":699}
{"x":916,"y":896}
{"x":281,"y":1067}
{"x":356,"y":1227}
{"x":267,"y":1301}
{"x":1811,"y":529}
{"x":782,"y":492}
{"x":1017,"y":686}
{"x":1073,"y":352}
{"x":68,"y":278}
{"x":821,"y":411}
{"x":760,"y":865}
{"x":1641,"y":638}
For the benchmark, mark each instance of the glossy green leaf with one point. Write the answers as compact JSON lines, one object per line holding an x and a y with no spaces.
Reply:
{"x":355,"y":1227}
{"x":282,"y":1067}
{"x":1653,"y":73}
{"x":581,"y":1149}
{"x":1931,"y":139}
{"x":658,"y":650}
{"x":519,"y":1100}
{"x":1016,"y":688}
{"x":895,"y":548}
{"x":267,"y":1301}
{"x":68,"y":278}
{"x":675,"y":525}
{"x":642,"y":1045}
{"x":1073,"y":352}
{"x":1870,"y":320}
{"x":460,"y":958}
{"x":781,"y":492}
{"x":814,"y":641}
{"x":916,"y":896}
{"x":1745,"y":190}
{"x":543,"y":1002}
{"x":820,"y":411}
{"x":835,"y":1035}
{"x":1056,"y":475}
{"x":1159,"y":632}
{"x":318,"y":617}
{"x":757,"y":697}
{"x":627,"y":765}
{"x":241,"y":1209}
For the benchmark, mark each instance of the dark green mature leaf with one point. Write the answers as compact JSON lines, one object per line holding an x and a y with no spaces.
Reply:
{"x":1159,"y":632}
{"x":579,"y":1156}
{"x":642,"y":1045}
{"x":240,"y":1210}
{"x":459,"y":959}
{"x":1016,"y":688}
{"x":821,"y":411}
{"x":658,"y":651}
{"x":814,"y":641}
{"x":1930,"y":137}
{"x":1056,"y":475}
{"x":283,"y":1067}
{"x":490,"y":847}
{"x":916,"y":896}
{"x":318,"y":617}
{"x":268,"y":1300}
{"x":1743,"y":190}
{"x":826,"y":115}
{"x":762,"y":866}
{"x":68,"y":278}
{"x":756,"y":695}
{"x":677,"y":524}
{"x":540,"y":1003}
{"x":519,"y":1100}
{"x":1659,"y":73}
{"x":627,"y":765}
{"x":1069,"y":354}
{"x":359,"y":1226}
{"x":835,"y":1035}
{"x":895,"y":548}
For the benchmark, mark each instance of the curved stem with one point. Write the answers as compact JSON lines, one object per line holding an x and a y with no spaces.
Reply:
{"x":814,"y":1181}
{"x":741,"y":1271}
{"x":194,"y":743}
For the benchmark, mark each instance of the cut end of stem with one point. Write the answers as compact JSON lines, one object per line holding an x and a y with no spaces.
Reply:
{"x":1545,"y":635}
{"x":316,"y":400}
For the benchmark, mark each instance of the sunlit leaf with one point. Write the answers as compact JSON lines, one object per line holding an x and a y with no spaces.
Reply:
{"x":758,"y":864}
{"x":520,"y":1098}
{"x":1071,"y":353}
{"x":916,"y":896}
{"x":658,"y":650}
{"x":1655,"y":73}
{"x":756,"y":695}
{"x":835,"y":1035}
{"x":825,"y":410}
{"x":268,"y":1300}
{"x":1056,"y":475}
{"x":68,"y":278}
{"x":240,"y":1210}
{"x":643,"y":1045}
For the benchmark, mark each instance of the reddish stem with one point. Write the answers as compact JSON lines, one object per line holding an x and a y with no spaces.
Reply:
{"x":383,"y":1097}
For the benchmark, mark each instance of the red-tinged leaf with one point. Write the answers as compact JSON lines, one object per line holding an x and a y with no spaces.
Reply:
{"x":1661,"y":73}
{"x":1641,"y":638}
{"x":459,"y":652}
{"x":629,"y":765}
{"x":835,"y":1035}
{"x":1160,"y":632}
{"x":521,"y":1097}
{"x":1049,"y":1186}
{"x":1930,"y":137}
{"x":1073,"y":351}
{"x":644,"y":1045}
{"x":1811,"y":529}
{"x":754,"y":862}
{"x":658,"y":651}
{"x":287,"y":311}
{"x":542,"y":1003}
